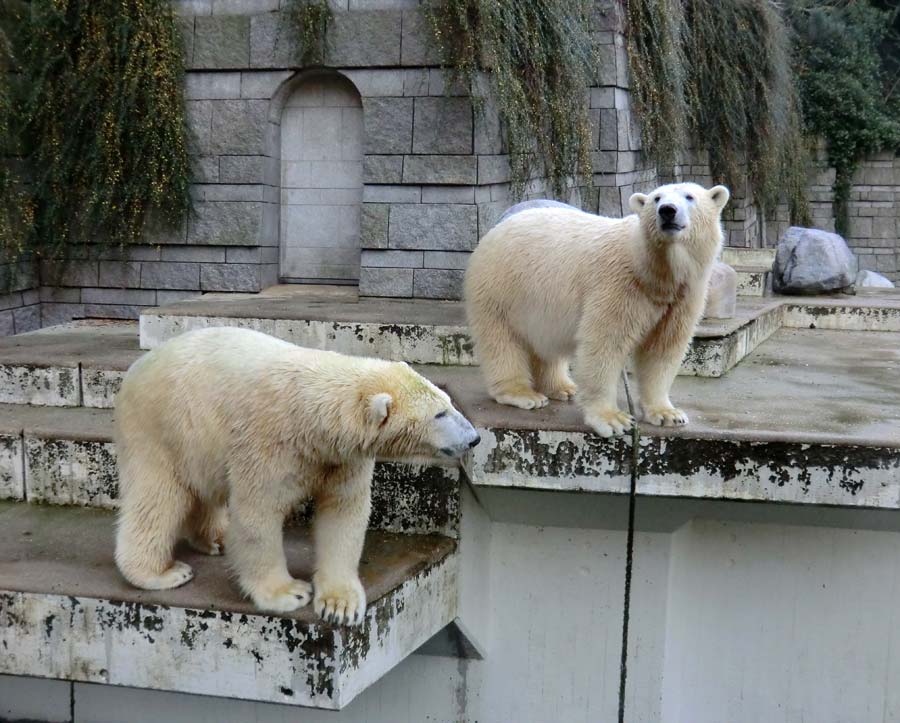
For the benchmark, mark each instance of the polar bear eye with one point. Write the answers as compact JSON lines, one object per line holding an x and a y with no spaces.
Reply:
{"x":657,"y":198}
{"x":440,"y":415}
{"x":689,"y":197}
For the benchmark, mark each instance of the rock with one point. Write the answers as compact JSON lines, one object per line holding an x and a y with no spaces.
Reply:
{"x":536,"y":203}
{"x":810,"y":261}
{"x":871,"y":280}
{"x":721,"y":294}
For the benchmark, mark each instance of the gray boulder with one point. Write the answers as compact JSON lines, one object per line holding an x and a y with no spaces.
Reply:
{"x":721,"y":292}
{"x":810,"y":261}
{"x":871,"y":280}
{"x":536,"y":203}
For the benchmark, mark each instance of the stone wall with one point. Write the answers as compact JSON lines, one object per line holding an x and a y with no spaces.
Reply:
{"x":20,"y":307}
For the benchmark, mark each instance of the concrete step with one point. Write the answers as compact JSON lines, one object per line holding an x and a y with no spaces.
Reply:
{"x":65,"y":613}
{"x":753,"y":281}
{"x":67,"y":457}
{"x":866,"y":310}
{"x":811,"y":417}
{"x":419,"y":332}
{"x":748,"y":258}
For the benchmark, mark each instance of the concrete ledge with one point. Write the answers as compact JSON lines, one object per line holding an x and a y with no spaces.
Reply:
{"x":66,"y":614}
{"x":868,"y":310}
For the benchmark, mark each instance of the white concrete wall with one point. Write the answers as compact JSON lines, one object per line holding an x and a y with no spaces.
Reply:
{"x":321,"y":181}
{"x":740,"y":612}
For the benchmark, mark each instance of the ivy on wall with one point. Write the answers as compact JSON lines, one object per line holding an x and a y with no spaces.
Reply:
{"x":100,"y":122}
{"x":847,"y":62}
{"x":308,"y":20}
{"x":716,"y":75}
{"x":540,"y":55}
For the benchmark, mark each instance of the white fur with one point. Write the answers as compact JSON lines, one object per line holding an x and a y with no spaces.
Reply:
{"x":548,"y":284}
{"x":221,"y":432}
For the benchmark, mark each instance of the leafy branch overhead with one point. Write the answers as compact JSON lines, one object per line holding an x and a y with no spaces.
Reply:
{"x":540,"y":55}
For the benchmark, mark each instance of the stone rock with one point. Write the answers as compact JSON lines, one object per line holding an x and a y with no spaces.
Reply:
{"x":870,"y":280}
{"x":536,"y":203}
{"x":721,"y":293}
{"x":811,"y":261}
{"x":433,"y":227}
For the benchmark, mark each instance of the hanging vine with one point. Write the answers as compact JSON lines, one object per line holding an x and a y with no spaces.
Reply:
{"x":102,"y":122}
{"x":308,"y":20}
{"x":540,"y":56}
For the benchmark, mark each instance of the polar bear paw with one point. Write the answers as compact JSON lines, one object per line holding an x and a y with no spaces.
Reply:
{"x":563,"y":392}
{"x":284,"y":598}
{"x":608,"y":422}
{"x":665,"y":416}
{"x":175,"y":576}
{"x":340,"y":602}
{"x":522,"y":397}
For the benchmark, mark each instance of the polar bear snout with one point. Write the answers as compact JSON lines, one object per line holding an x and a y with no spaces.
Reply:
{"x":671,"y":216}
{"x":454,"y":434}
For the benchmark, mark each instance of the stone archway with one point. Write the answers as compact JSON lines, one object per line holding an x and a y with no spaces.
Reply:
{"x":321,"y":181}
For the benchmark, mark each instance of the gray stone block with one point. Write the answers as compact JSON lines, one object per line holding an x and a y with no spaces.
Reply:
{"x":193,"y":7}
{"x":199,"y":121}
{"x":396,"y":283}
{"x":244,"y":7}
{"x":137,"y":297}
{"x":364,"y":38}
{"x":262,"y":83}
{"x":239,"y":127}
{"x":446,"y":259}
{"x":221,"y":42}
{"x":416,"y":81}
{"x":206,"y":169}
{"x":164,"y":297}
{"x":228,"y":192}
{"x":229,"y":277}
{"x":52,"y":314}
{"x":7,"y":323}
{"x":392,"y":259}
{"x":439,"y":227}
{"x":388,"y":125}
{"x":382,"y":169}
{"x":376,"y":83}
{"x":238,"y":255}
{"x":226,"y":223}
{"x":493,"y":169}
{"x":442,"y":125}
{"x":438,"y":284}
{"x":448,"y":194}
{"x":60,"y":295}
{"x":419,"y":47}
{"x":488,"y":130}
{"x":169,"y":275}
{"x":112,"y":311}
{"x":272,"y":44}
{"x":186,"y":30}
{"x":27,"y":318}
{"x":205,"y":254}
{"x":211,"y":86}
{"x":122,"y":274}
{"x":392,"y":194}
{"x":451,"y":170}
{"x":70,"y":273}
{"x":374,"y":226}
{"x":242,"y":169}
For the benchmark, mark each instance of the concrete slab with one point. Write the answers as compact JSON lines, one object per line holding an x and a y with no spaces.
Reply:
{"x":867,"y":310}
{"x":65,"y":613}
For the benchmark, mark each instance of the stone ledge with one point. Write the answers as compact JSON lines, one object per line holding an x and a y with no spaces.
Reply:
{"x":65,"y":613}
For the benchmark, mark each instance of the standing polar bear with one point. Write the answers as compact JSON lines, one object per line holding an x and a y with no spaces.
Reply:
{"x":549,"y":283}
{"x":221,"y":432}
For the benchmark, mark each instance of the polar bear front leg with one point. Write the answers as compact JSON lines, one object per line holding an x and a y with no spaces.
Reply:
{"x":598,"y":364}
{"x":339,"y":530}
{"x":658,"y":359}
{"x":255,"y":545}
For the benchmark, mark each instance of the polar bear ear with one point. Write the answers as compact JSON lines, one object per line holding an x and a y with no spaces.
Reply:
{"x":637,"y":201}
{"x":719,"y":195}
{"x":380,"y":408}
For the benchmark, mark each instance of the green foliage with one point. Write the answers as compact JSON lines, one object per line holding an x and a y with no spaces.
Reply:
{"x":739,"y":101}
{"x":845,"y":53}
{"x":102,"y":121}
{"x":540,"y":57}
{"x":308,"y":19}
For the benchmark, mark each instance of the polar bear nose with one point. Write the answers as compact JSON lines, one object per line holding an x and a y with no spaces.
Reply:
{"x":475,"y":442}
{"x":667,"y":212}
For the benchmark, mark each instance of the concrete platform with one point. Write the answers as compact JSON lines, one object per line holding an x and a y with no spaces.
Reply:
{"x":65,"y":613}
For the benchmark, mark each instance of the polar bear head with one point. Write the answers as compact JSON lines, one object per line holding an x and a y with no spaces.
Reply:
{"x":681,"y":212}
{"x":410,"y":417}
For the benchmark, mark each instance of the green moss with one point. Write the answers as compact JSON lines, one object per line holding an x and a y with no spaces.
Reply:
{"x":308,"y":20}
{"x":540,"y":56}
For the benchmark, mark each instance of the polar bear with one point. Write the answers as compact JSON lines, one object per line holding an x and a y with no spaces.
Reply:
{"x":221,"y":432}
{"x":547,"y":284}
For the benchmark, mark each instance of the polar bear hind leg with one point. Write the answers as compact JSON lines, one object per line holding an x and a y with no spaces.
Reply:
{"x":553,"y":378}
{"x":154,"y":508}
{"x":207,"y":525}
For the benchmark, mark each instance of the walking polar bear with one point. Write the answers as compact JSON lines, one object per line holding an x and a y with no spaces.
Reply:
{"x":221,"y":432}
{"x":547,"y":284}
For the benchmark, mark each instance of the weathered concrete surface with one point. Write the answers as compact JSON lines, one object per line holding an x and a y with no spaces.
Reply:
{"x":78,"y":364}
{"x":420,"y":332}
{"x":867,"y":310}
{"x":806,"y":419}
{"x":66,"y":613}
{"x":753,"y":282}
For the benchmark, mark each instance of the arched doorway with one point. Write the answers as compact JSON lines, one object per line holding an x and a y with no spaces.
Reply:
{"x":321,"y":181}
